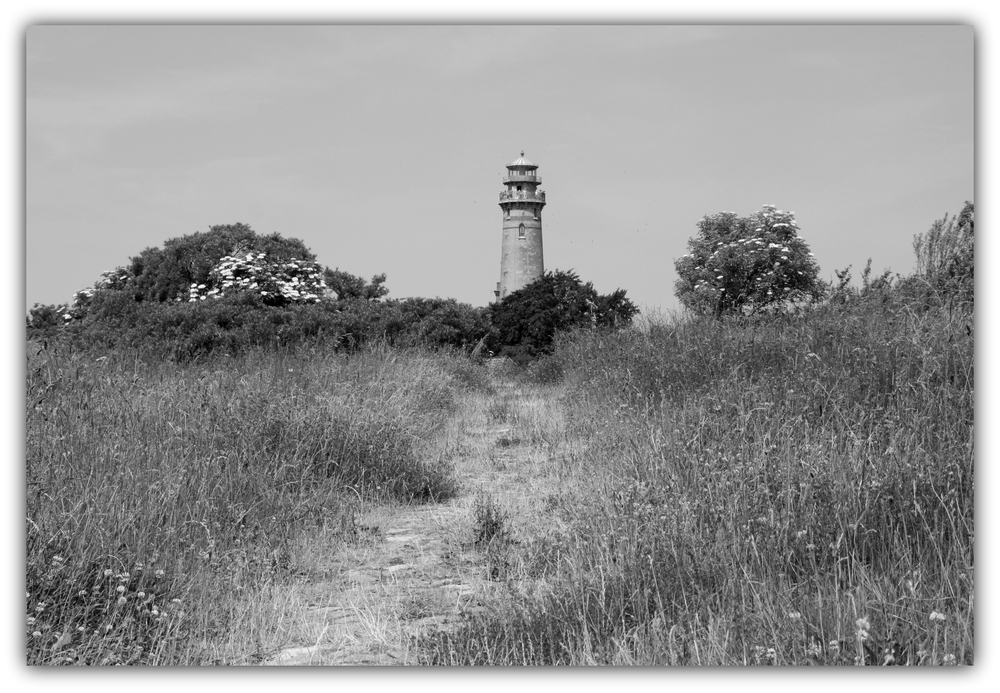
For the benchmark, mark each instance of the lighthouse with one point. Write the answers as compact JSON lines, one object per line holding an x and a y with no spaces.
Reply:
{"x":521,"y":244}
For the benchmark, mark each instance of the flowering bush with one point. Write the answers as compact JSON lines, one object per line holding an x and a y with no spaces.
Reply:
{"x":278,"y":283}
{"x":739,"y":263}
{"x":115,"y":280}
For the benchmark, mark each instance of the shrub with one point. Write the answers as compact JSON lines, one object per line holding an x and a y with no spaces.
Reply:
{"x":526,"y":321}
{"x":743,"y":264}
{"x":946,"y":257}
{"x":166,"y":274}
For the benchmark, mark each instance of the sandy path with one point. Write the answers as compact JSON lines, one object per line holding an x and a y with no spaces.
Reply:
{"x":422,"y":571}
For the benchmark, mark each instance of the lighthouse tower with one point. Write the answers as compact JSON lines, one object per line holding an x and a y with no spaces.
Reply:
{"x":521,"y":246}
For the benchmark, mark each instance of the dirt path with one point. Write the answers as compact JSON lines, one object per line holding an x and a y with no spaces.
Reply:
{"x":423,"y":571}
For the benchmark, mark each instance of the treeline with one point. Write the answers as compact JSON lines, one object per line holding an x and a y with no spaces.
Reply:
{"x":230,"y":289}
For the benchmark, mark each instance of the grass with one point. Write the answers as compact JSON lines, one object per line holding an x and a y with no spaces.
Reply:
{"x":168,"y":506}
{"x":792,"y":490}
{"x":786,"y":490}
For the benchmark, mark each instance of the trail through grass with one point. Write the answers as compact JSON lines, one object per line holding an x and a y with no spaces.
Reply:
{"x":428,"y":568}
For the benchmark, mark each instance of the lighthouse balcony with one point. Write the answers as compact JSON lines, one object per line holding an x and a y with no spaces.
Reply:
{"x":516,"y":177}
{"x":516,"y":195}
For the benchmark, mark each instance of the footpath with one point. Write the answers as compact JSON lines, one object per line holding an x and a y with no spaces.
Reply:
{"x":423,"y":571}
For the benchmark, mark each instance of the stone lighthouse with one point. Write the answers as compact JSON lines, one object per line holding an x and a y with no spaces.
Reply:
{"x":521,"y":246}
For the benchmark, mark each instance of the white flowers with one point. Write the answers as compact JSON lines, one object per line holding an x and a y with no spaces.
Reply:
{"x":937,"y":617}
{"x":294,"y":281}
{"x":863,"y":627}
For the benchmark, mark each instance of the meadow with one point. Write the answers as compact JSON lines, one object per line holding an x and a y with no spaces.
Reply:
{"x":792,"y":489}
{"x":789,"y":489}
{"x":168,"y":506}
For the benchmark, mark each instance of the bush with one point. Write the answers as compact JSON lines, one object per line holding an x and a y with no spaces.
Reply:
{"x":167,"y":274}
{"x":526,"y":321}
{"x":744,"y":264}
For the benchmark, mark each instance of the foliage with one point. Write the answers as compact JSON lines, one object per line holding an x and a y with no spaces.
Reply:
{"x":350,"y":287}
{"x":166,"y":274}
{"x":438,"y":322}
{"x":244,"y":298}
{"x":526,"y":321}
{"x":946,"y":257}
{"x":233,"y":323}
{"x":744,"y":264}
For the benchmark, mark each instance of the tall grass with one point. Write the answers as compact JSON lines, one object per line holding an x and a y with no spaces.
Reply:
{"x":167,"y":505}
{"x":786,"y":490}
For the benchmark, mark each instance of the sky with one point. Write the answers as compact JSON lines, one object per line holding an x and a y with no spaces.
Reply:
{"x":382,"y":147}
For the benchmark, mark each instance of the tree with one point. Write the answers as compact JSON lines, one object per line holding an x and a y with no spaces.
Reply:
{"x":166,"y":274}
{"x":526,"y":321}
{"x":739,"y":264}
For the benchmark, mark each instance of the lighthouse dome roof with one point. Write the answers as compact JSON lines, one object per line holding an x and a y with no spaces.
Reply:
{"x":522,"y":163}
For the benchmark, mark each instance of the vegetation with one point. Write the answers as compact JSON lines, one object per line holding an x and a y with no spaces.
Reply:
{"x":775,"y":490}
{"x":745,"y":486}
{"x":230,"y":290}
{"x":349,"y":287}
{"x":772,"y":489}
{"x":168,"y":508}
{"x":166,"y":274}
{"x":745,"y":264}
{"x":946,"y":259}
{"x":526,"y":322}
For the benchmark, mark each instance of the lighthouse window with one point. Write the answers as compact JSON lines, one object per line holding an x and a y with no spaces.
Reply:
{"x":520,"y":231}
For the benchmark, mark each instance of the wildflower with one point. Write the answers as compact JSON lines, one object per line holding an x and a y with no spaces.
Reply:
{"x":141,"y":595}
{"x":120,"y":589}
{"x":794,"y":615}
{"x":937,"y":616}
{"x":159,"y":573}
{"x":108,"y":572}
{"x":949,"y":660}
{"x":863,"y":623}
{"x":834,"y":646}
{"x":121,"y":600}
{"x":82,"y":593}
{"x":36,"y":634}
{"x":175,"y":601}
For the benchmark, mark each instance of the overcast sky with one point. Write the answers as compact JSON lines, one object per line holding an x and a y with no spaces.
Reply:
{"x":382,"y":147}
